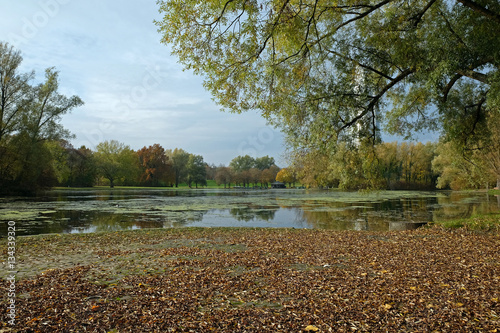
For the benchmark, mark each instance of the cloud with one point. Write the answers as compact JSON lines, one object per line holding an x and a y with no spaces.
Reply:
{"x":109,"y":54}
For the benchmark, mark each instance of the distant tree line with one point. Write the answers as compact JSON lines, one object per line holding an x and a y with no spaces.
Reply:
{"x":390,"y":165}
{"x":114,"y":163}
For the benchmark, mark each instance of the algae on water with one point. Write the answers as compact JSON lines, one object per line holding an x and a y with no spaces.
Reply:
{"x":63,"y":211}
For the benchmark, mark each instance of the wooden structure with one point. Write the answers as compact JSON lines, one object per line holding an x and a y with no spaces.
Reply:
{"x":278,"y":185}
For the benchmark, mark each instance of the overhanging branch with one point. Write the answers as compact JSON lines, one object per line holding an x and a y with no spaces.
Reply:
{"x":481,"y":10}
{"x":475,"y":76}
{"x":377,"y":98}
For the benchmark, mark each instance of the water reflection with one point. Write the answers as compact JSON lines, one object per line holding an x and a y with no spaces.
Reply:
{"x":112,"y":210}
{"x":249,"y":214}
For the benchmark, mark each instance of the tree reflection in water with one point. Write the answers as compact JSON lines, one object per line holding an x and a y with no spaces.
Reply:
{"x":66,"y":211}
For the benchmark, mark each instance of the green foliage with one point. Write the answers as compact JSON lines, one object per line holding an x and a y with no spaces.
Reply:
{"x":179,"y":160}
{"x":29,"y":122}
{"x":196,"y":171}
{"x":15,"y":91}
{"x":454,"y":171}
{"x":264,"y":162}
{"x":73,"y":167}
{"x":474,"y":167}
{"x":117,"y":162}
{"x":246,"y":170}
{"x":383,"y":166}
{"x":483,"y":222}
{"x":339,"y":71}
{"x":242,"y":163}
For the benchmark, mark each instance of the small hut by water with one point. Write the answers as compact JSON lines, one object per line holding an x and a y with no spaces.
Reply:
{"x":278,"y":185}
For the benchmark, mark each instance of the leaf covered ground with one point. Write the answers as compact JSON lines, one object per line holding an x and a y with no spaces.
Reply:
{"x":257,"y":280}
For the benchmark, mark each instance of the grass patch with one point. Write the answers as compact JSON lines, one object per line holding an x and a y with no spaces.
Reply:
{"x":483,"y":222}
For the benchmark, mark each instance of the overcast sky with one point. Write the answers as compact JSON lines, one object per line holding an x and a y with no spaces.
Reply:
{"x":108,"y":52}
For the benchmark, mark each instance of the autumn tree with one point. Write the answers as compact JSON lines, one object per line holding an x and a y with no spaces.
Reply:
{"x":471,"y":168}
{"x":211,"y":171}
{"x":454,"y":170}
{"x":286,"y":175}
{"x":268,"y":175}
{"x":264,"y":162}
{"x":196,"y":171}
{"x":156,"y":167}
{"x":224,"y":175}
{"x":347,"y":164}
{"x":491,"y":149}
{"x":329,"y":72}
{"x":179,"y":158}
{"x":30,"y":118}
{"x":73,"y":167}
{"x":383,"y":166}
{"x":390,"y":165}
{"x":314,"y":168}
{"x":255,"y":175}
{"x":406,"y":165}
{"x":116,"y":161}
{"x":242,"y":163}
{"x":241,"y":166}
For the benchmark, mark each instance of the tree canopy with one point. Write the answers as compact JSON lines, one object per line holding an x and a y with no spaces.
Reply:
{"x":242,"y":163}
{"x":116,"y":160}
{"x":156,"y":166}
{"x":330,"y":71}
{"x":29,"y":120}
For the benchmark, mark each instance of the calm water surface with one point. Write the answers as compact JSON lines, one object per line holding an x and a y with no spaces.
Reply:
{"x":72,"y":211}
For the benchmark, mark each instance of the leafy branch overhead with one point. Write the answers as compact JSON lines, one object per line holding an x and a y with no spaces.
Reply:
{"x":325,"y":71}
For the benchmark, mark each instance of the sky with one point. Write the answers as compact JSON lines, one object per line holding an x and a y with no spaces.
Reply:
{"x":108,"y":52}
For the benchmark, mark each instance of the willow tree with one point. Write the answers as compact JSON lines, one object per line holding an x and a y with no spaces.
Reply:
{"x":329,"y":71}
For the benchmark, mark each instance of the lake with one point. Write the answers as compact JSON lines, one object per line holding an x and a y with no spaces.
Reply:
{"x":93,"y":210}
